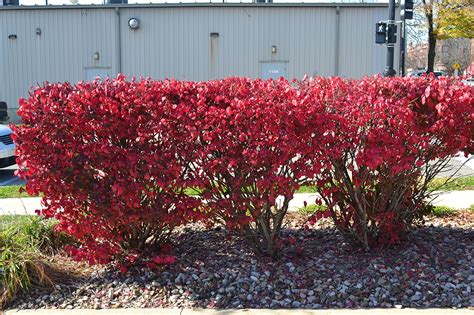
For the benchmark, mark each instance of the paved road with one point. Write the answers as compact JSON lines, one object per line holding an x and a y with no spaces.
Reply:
{"x":8,"y":178}
{"x":460,"y":166}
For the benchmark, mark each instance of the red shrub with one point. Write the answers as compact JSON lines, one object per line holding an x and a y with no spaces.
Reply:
{"x":106,"y":156}
{"x":250,"y":135}
{"x":385,"y":141}
{"x":114,"y":159}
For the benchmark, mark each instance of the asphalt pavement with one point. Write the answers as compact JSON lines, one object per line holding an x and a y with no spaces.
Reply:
{"x":8,"y":177}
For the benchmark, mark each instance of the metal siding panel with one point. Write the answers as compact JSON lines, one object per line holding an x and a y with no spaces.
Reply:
{"x":359,"y":54}
{"x":175,"y":42}
{"x":66,"y":44}
{"x":345,"y":36}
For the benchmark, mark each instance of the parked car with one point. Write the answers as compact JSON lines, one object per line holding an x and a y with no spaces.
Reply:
{"x":420,"y":72}
{"x":7,"y":147}
{"x":469,"y":81}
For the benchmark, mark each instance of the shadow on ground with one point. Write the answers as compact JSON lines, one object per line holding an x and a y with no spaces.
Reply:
{"x":433,"y":267}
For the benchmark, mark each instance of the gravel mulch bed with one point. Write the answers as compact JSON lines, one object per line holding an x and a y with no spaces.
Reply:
{"x":433,"y":268}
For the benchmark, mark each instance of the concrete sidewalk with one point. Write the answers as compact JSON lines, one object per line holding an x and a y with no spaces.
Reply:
{"x":453,"y":199}
{"x":20,"y":206}
{"x":177,"y":311}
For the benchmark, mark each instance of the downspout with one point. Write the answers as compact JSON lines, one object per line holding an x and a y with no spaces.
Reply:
{"x":336,"y":44}
{"x":118,"y":47}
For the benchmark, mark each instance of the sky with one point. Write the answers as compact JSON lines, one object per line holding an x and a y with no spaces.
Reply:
{"x":60,"y":2}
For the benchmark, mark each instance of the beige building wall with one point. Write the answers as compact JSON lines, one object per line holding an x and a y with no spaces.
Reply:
{"x":186,"y":41}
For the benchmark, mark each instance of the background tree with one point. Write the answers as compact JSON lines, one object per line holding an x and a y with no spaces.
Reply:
{"x":456,"y":19}
{"x":429,"y":7}
{"x":440,"y":19}
{"x":452,"y":51}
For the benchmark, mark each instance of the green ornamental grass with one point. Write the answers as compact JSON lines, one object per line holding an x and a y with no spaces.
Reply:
{"x":23,"y":242}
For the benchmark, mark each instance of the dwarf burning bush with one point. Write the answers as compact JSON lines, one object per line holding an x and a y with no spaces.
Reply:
{"x":106,"y":156}
{"x":249,"y":152}
{"x":385,"y":140}
{"x":115,"y":159}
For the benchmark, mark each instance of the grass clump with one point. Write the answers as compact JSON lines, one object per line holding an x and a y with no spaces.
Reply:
{"x":12,"y":192}
{"x":443,"y":211}
{"x":17,"y":221}
{"x":24,"y":241}
{"x":445,"y":184}
{"x":311,"y":209}
{"x":21,"y":265}
{"x":307,"y":189}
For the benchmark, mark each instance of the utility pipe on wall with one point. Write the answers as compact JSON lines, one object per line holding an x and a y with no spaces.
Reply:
{"x":336,"y":42}
{"x":118,"y":42}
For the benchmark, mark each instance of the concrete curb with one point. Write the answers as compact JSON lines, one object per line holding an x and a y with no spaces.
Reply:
{"x":176,"y":311}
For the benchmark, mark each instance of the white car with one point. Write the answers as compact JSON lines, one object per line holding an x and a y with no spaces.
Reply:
{"x":7,"y":147}
{"x":469,"y":81}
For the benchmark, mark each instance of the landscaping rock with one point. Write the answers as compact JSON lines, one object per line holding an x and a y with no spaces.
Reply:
{"x":433,"y":267}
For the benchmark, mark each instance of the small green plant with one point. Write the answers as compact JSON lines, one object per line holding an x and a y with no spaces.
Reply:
{"x":20,"y":265}
{"x":307,"y":189}
{"x":37,"y":231}
{"x":7,"y":221}
{"x":23,"y":242}
{"x":312,"y":209}
{"x":471,"y":208}
{"x":442,"y":211}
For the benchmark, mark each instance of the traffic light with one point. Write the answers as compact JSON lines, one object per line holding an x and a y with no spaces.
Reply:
{"x":408,"y":9}
{"x":392,"y":33}
{"x":381,"y":32}
{"x":385,"y":33}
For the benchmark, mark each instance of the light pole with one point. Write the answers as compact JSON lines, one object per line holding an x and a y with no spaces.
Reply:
{"x":391,"y":39}
{"x":407,"y":15}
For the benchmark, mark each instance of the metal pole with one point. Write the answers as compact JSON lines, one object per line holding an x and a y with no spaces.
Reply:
{"x":404,"y":48}
{"x":389,"y":71}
